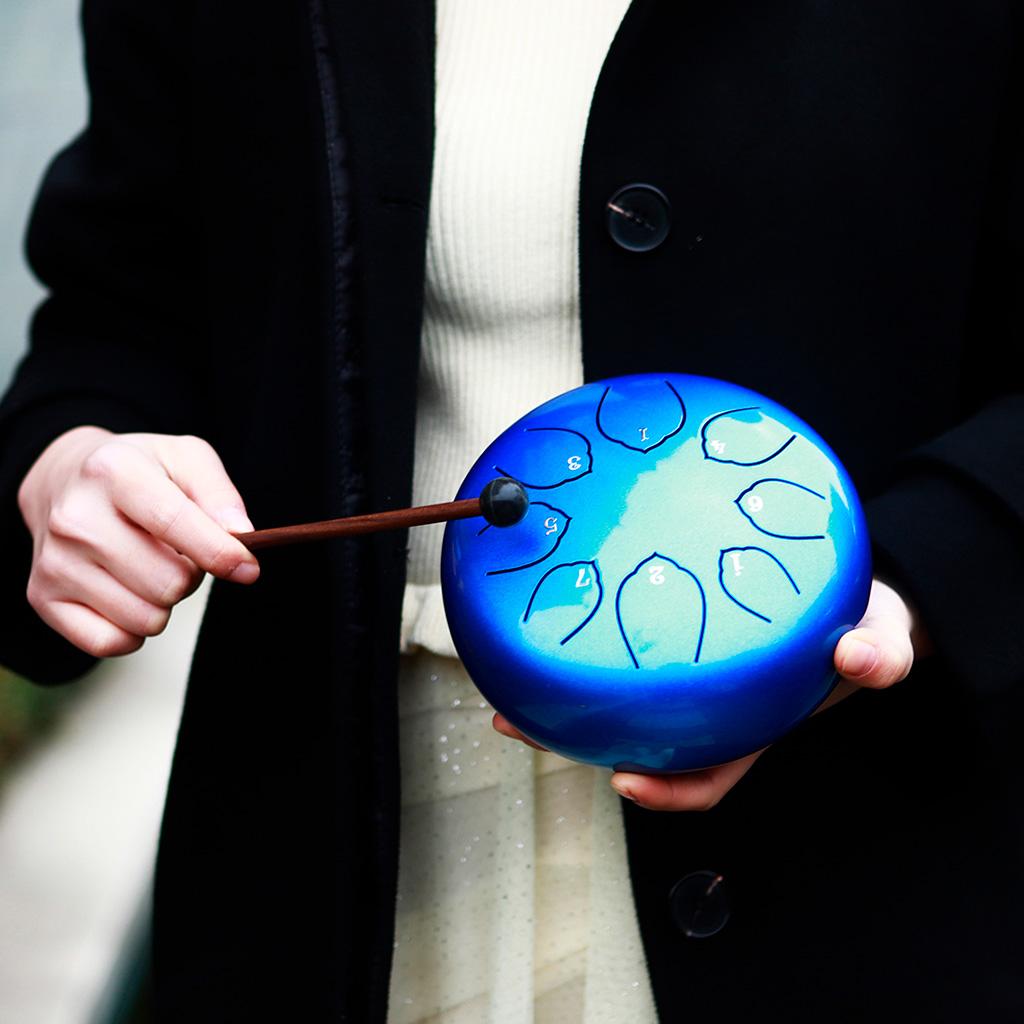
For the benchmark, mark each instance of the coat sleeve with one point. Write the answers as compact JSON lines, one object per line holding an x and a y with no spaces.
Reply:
{"x":112,"y":235}
{"x":948,"y":530}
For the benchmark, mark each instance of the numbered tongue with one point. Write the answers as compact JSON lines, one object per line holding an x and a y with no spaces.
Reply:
{"x":562,"y":603}
{"x":551,"y":457}
{"x":642,"y":416}
{"x":757,"y":581}
{"x":662,"y":611}
{"x":744,"y":437}
{"x":530,"y":541}
{"x":786,"y":509}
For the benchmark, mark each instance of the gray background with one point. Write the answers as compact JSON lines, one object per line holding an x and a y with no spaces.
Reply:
{"x":42,"y":107}
{"x":79,"y":816}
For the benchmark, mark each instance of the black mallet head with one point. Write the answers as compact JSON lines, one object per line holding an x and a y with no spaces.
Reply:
{"x":503,"y":501}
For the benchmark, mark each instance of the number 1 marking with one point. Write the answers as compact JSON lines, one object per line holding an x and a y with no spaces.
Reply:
{"x":735,"y":556}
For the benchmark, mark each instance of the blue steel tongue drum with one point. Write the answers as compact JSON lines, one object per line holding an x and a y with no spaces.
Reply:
{"x":691,"y":553}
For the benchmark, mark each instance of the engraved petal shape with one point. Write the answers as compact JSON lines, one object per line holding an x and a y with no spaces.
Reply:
{"x":783,"y":508}
{"x":642,"y":417}
{"x":744,"y":437}
{"x":531,"y":540}
{"x":662,"y":612}
{"x":563,"y":602}
{"x":757,"y":581}
{"x":549,"y":457}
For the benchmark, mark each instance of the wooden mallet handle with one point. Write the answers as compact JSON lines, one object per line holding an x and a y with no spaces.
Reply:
{"x":502,"y":502}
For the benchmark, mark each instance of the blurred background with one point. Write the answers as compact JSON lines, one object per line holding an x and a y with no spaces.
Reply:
{"x":83,"y":767}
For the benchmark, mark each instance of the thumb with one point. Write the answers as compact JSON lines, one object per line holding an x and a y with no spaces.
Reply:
{"x":878,"y":652}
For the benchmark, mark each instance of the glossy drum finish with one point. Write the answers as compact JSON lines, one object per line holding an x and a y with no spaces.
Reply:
{"x":673,"y":597}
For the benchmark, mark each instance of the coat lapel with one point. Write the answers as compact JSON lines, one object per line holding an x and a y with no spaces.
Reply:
{"x":383,"y":54}
{"x":375,"y":72}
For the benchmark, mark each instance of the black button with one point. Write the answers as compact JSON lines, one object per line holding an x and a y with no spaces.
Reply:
{"x":639,"y":217}
{"x":700,"y":904}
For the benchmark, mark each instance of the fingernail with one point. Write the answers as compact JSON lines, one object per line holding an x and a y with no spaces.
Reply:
{"x":234,"y":520}
{"x":244,"y":572}
{"x":623,"y":790}
{"x":860,"y":658}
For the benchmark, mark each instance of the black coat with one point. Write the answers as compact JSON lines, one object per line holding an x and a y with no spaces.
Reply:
{"x":235,"y":248}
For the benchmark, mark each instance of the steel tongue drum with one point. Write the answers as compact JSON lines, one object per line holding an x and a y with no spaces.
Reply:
{"x":690,"y":555}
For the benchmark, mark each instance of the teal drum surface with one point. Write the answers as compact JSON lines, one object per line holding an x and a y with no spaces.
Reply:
{"x":672,"y":599}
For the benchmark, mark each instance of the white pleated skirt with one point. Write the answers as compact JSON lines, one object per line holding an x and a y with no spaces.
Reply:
{"x":514,"y":901}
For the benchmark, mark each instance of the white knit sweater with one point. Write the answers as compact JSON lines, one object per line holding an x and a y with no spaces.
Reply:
{"x":501,"y":330}
{"x":514,"y":903}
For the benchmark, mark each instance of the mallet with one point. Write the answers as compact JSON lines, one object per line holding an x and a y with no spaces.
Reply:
{"x":502,"y":502}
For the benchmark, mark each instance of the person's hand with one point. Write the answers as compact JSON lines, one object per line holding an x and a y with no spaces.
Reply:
{"x":123,"y":527}
{"x":876,"y":653}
